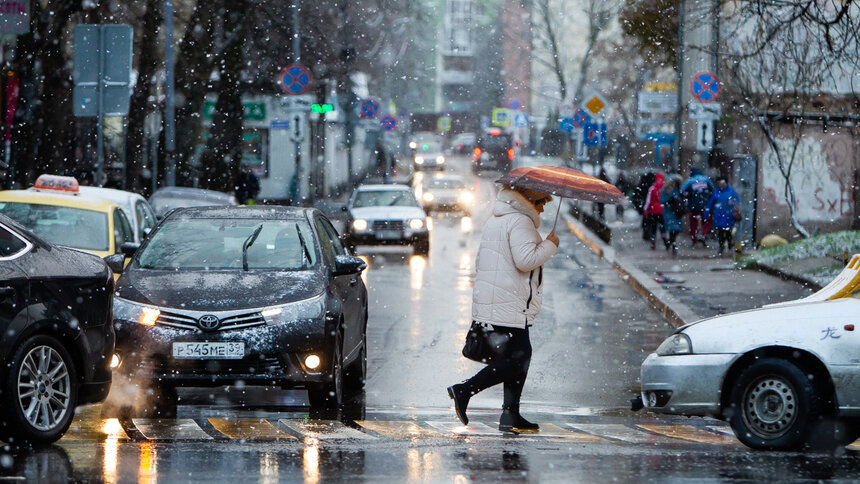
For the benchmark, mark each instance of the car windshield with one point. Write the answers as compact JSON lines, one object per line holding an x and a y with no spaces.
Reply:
{"x":71,"y":227}
{"x":443,"y":184}
{"x":497,"y":142}
{"x":430,"y":147}
{"x":377,"y":198}
{"x":216,"y":244}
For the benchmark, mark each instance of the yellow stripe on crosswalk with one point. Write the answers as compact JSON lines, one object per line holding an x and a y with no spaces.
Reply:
{"x":95,"y":429}
{"x":399,"y":429}
{"x":691,"y":433}
{"x":248,"y":429}
{"x":553,"y":431}
{"x":170,"y":429}
{"x":325,"y":429}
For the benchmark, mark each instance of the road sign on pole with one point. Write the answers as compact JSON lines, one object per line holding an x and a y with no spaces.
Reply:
{"x":566,"y":125}
{"x":705,"y":87}
{"x":580,"y":117}
{"x":443,"y":124}
{"x":705,"y":135}
{"x":295,"y":79}
{"x":368,"y":109}
{"x":501,"y":117}
{"x":594,"y":134}
{"x":595,"y":103}
{"x":705,"y":111}
{"x":521,"y":120}
{"x":388,"y":122}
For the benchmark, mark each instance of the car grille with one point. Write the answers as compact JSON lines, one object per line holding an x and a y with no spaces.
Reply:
{"x":388,"y":225}
{"x":234,"y":321}
{"x":247,"y":366}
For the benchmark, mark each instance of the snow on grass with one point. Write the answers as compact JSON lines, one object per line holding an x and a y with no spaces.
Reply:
{"x":827,"y":245}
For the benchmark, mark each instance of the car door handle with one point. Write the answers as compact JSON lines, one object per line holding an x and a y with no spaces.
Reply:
{"x":7,"y":291}
{"x":353,"y":281}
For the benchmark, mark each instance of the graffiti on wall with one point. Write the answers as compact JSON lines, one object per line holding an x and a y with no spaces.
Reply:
{"x":821,"y":195}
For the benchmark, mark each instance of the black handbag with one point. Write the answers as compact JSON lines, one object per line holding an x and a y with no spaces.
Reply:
{"x":483,"y":344}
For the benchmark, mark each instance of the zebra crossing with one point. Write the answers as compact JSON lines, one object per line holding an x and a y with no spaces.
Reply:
{"x":250,"y":429}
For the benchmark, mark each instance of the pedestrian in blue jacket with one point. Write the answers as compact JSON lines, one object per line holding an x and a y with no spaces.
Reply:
{"x":722,"y":208}
{"x":673,"y":211}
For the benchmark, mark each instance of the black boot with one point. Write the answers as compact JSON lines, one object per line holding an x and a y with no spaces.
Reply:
{"x":461,"y":395}
{"x":512,"y":421}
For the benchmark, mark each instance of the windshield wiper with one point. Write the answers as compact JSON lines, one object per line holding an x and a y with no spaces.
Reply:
{"x":306,"y":256}
{"x":250,"y":240}
{"x":396,"y":199}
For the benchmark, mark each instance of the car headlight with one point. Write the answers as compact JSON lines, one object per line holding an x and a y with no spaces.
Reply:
{"x":126,"y":310}
{"x":419,"y":160}
{"x":413,"y":145}
{"x":428,"y":197}
{"x":467,"y":197}
{"x":440,"y":159}
{"x":416,"y":224}
{"x":312,"y":308}
{"x":677,"y":344}
{"x":359,"y":224}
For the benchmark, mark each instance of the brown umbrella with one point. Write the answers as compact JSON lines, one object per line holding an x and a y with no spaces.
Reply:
{"x":564,"y":182}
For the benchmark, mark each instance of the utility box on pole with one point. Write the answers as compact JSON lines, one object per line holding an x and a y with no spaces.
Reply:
{"x":102,"y":76}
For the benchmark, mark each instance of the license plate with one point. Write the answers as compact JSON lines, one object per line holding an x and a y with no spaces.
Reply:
{"x":209,"y":351}
{"x":389,"y":234}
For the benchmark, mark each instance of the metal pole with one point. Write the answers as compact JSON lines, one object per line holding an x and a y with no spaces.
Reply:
{"x":297,"y":141}
{"x":169,"y":101}
{"x":100,"y":108}
{"x":297,"y":54}
{"x":678,"y":115}
{"x":715,"y":36}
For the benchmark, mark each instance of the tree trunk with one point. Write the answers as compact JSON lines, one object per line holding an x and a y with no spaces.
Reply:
{"x":789,"y":195}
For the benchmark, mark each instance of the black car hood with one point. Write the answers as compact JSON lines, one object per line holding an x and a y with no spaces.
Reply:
{"x":218,"y":290}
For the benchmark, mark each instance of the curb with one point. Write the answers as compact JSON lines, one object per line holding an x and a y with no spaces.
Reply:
{"x":677,"y":313}
{"x":786,"y":276}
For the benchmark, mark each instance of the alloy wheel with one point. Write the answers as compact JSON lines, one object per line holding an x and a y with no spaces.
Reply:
{"x":44,"y":388}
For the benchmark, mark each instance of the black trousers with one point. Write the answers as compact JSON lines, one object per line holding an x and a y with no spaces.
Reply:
{"x":511,"y":368}
{"x":724,"y":236}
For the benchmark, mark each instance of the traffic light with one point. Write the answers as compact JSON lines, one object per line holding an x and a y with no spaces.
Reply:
{"x":322,"y":108}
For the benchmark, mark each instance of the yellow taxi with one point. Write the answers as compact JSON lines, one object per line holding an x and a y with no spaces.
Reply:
{"x":55,"y":210}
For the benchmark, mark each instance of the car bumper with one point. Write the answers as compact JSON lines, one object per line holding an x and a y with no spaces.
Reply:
{"x":684,"y":384}
{"x":274,"y":355}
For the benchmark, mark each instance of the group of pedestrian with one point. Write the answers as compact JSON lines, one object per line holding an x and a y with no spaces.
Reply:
{"x":664,"y":203}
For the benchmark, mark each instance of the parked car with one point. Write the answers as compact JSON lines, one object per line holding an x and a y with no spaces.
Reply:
{"x":137,"y":209}
{"x":259,"y":295}
{"x":785,"y":376}
{"x":56,"y":340}
{"x":168,"y":198}
{"x":384,"y":215}
{"x":464,"y":142}
{"x":447,"y":192}
{"x":55,"y":210}
{"x":494,"y":150}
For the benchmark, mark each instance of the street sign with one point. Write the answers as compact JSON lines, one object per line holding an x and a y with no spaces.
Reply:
{"x":368,"y":109}
{"x":580,"y":117}
{"x":297,"y":134}
{"x":501,"y":117}
{"x":705,"y":87}
{"x":566,"y":125}
{"x":14,"y":17}
{"x":521,"y":120}
{"x":705,"y":111}
{"x":295,"y":79}
{"x":388,"y":122}
{"x":296,"y":103}
{"x":102,"y":66}
{"x":594,"y":134}
{"x":515,"y":104}
{"x":280,"y":124}
{"x":658,"y":102}
{"x":705,"y":135}
{"x":443,"y":124}
{"x":595,"y":103}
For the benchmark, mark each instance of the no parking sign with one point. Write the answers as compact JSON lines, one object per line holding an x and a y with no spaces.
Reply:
{"x":295,"y":79}
{"x":388,"y":122}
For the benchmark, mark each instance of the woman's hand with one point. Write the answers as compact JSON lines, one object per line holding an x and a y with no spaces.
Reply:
{"x":552,"y":238}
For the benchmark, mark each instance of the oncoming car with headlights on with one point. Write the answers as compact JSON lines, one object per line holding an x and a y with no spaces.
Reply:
{"x":785,"y":376}
{"x":384,"y":215}
{"x":260,"y":295}
{"x":447,"y":192}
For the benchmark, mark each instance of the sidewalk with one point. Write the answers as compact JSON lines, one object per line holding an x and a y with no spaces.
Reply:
{"x":693,"y":285}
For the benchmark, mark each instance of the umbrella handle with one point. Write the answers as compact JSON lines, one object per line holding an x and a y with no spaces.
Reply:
{"x":556,"y":216}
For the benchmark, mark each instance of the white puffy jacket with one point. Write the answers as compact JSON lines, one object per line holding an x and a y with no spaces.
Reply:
{"x":509,"y":281}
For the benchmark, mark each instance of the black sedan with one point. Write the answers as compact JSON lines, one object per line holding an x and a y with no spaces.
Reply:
{"x":56,"y":340}
{"x":258,"y":295}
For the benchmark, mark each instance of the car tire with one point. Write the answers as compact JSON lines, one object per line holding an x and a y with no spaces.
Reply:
{"x":421,"y":246}
{"x":330,"y":395}
{"x":356,"y":373}
{"x":772,"y":404}
{"x":43,"y":366}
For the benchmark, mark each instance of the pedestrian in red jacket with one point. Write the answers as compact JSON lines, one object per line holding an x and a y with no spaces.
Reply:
{"x":653,"y":212}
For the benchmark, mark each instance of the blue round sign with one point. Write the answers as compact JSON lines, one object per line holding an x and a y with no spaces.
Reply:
{"x":580,"y":118}
{"x":388,"y":122}
{"x":566,"y":125}
{"x":705,"y":87}
{"x":369,"y":108}
{"x":295,"y":79}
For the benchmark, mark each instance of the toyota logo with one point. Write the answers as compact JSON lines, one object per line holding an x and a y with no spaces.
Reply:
{"x":209,"y":322}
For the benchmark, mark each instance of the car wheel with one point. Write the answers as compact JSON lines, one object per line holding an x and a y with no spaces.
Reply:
{"x":421,"y":246}
{"x":772,"y":405}
{"x":330,"y":395}
{"x":40,"y":392}
{"x":356,"y":374}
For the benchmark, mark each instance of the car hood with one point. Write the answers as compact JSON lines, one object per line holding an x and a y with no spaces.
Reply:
{"x":387,"y":213}
{"x":218,"y":290}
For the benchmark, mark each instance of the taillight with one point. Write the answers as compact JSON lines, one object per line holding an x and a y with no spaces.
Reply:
{"x":477,"y":153}
{"x":511,"y":154}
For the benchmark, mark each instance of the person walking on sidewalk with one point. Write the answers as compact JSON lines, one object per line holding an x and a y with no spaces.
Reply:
{"x":697,"y":191}
{"x":722,"y":208}
{"x":653,"y":212}
{"x":674,"y":209}
{"x":507,"y":295}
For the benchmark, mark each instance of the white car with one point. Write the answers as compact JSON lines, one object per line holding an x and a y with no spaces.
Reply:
{"x":136,"y":208}
{"x":447,"y":192}
{"x":785,"y":376}
{"x":384,"y":215}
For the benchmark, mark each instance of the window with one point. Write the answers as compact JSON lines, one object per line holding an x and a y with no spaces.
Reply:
{"x":67,"y":226}
{"x":122,"y":232}
{"x":326,"y":241}
{"x":145,"y":219}
{"x":10,"y":244}
{"x":335,"y":238}
{"x":382,"y":198}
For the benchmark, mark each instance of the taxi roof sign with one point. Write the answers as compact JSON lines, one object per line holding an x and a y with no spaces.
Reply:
{"x":57,"y":183}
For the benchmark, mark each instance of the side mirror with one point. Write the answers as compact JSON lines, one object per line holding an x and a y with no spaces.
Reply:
{"x":347,"y":264}
{"x":115,"y":262}
{"x":128,"y":249}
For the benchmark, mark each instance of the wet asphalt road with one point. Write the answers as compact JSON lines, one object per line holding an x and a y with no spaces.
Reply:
{"x":588,"y":343}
